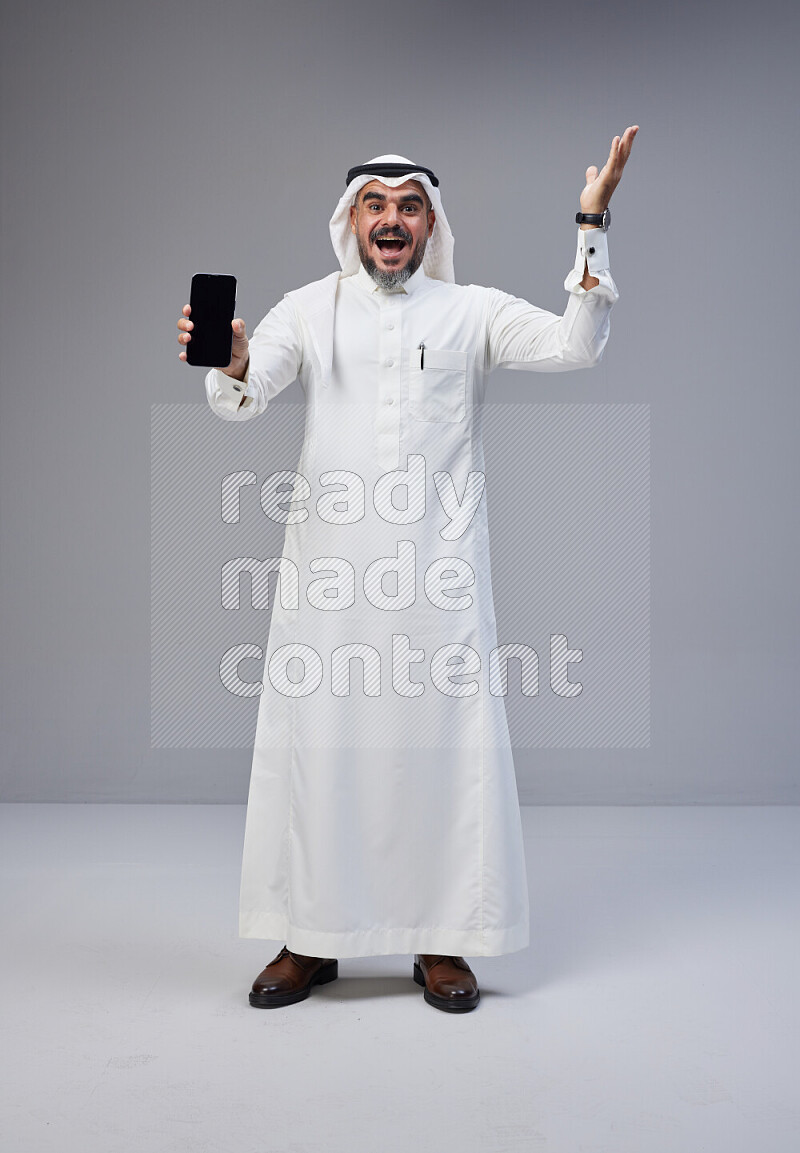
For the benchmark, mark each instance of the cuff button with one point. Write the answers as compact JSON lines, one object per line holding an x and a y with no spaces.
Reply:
{"x":591,"y":251}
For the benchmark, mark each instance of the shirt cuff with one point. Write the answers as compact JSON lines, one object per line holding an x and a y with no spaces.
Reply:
{"x":228,"y":392}
{"x":593,"y":252}
{"x":592,"y":248}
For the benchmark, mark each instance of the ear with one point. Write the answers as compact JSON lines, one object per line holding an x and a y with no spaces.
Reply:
{"x":431,"y":222}
{"x":352,"y":217}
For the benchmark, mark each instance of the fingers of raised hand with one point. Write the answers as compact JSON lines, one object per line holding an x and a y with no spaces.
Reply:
{"x":626,"y":143}
{"x":619,"y":153}
{"x":613,"y":156}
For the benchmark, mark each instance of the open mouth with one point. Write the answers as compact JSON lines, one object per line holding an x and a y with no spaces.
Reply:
{"x":391,"y":245}
{"x":391,"y":242}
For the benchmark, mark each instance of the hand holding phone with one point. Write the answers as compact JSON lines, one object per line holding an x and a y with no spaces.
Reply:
{"x":212,"y":338}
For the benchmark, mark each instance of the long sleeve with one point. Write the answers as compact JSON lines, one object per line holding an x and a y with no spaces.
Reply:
{"x":521,"y":335}
{"x":276,"y":357}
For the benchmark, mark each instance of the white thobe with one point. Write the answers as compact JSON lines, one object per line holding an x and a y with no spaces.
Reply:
{"x":383,"y":815}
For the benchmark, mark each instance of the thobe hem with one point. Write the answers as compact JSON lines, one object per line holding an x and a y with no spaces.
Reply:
{"x":379,"y":942}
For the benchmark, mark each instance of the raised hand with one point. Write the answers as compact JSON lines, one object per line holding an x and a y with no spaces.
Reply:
{"x":600,"y":185}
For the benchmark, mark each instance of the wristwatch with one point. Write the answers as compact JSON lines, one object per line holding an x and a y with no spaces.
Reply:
{"x":598,"y":219}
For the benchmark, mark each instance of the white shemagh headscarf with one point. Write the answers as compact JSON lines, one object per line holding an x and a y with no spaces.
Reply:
{"x":438,"y":259}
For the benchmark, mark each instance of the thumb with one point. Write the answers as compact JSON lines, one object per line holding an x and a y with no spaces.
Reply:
{"x":238,"y":327}
{"x":591,"y":174}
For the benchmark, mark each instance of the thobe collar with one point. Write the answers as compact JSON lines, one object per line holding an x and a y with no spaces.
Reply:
{"x":414,"y":283}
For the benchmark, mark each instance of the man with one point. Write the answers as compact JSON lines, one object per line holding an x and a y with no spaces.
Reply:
{"x":385,"y":818}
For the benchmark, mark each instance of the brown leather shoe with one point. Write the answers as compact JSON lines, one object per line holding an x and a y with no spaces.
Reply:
{"x":289,"y":978}
{"x":449,"y":982}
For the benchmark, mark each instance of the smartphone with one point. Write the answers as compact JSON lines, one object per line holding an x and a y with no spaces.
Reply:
{"x":213,"y":301}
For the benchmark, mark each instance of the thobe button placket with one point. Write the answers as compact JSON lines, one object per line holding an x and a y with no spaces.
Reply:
{"x":387,"y":419}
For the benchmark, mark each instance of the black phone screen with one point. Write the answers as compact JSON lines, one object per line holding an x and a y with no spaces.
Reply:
{"x":212,"y":300}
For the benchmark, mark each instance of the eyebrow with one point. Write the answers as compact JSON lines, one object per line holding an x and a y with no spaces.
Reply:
{"x":409,"y":198}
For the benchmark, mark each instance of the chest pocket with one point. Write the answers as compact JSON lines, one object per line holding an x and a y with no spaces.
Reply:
{"x":438,"y":390}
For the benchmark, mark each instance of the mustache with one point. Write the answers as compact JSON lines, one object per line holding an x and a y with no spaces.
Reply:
{"x":396,"y":233}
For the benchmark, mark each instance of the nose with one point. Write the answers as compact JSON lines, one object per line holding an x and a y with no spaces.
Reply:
{"x":392,"y":215}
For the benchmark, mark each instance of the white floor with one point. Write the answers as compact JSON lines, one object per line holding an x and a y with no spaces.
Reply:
{"x":656,"y":1010}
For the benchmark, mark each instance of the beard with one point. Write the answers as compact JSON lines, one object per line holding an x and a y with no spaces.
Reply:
{"x":392,"y":278}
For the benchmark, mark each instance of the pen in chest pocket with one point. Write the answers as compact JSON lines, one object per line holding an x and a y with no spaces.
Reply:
{"x":422,"y":354}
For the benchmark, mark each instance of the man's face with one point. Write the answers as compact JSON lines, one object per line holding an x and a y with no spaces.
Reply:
{"x":392,"y":226}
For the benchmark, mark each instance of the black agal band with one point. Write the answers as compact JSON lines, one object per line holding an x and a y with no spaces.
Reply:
{"x":389,"y":170}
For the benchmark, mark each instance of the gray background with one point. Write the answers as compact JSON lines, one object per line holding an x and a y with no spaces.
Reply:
{"x":142,"y":143}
